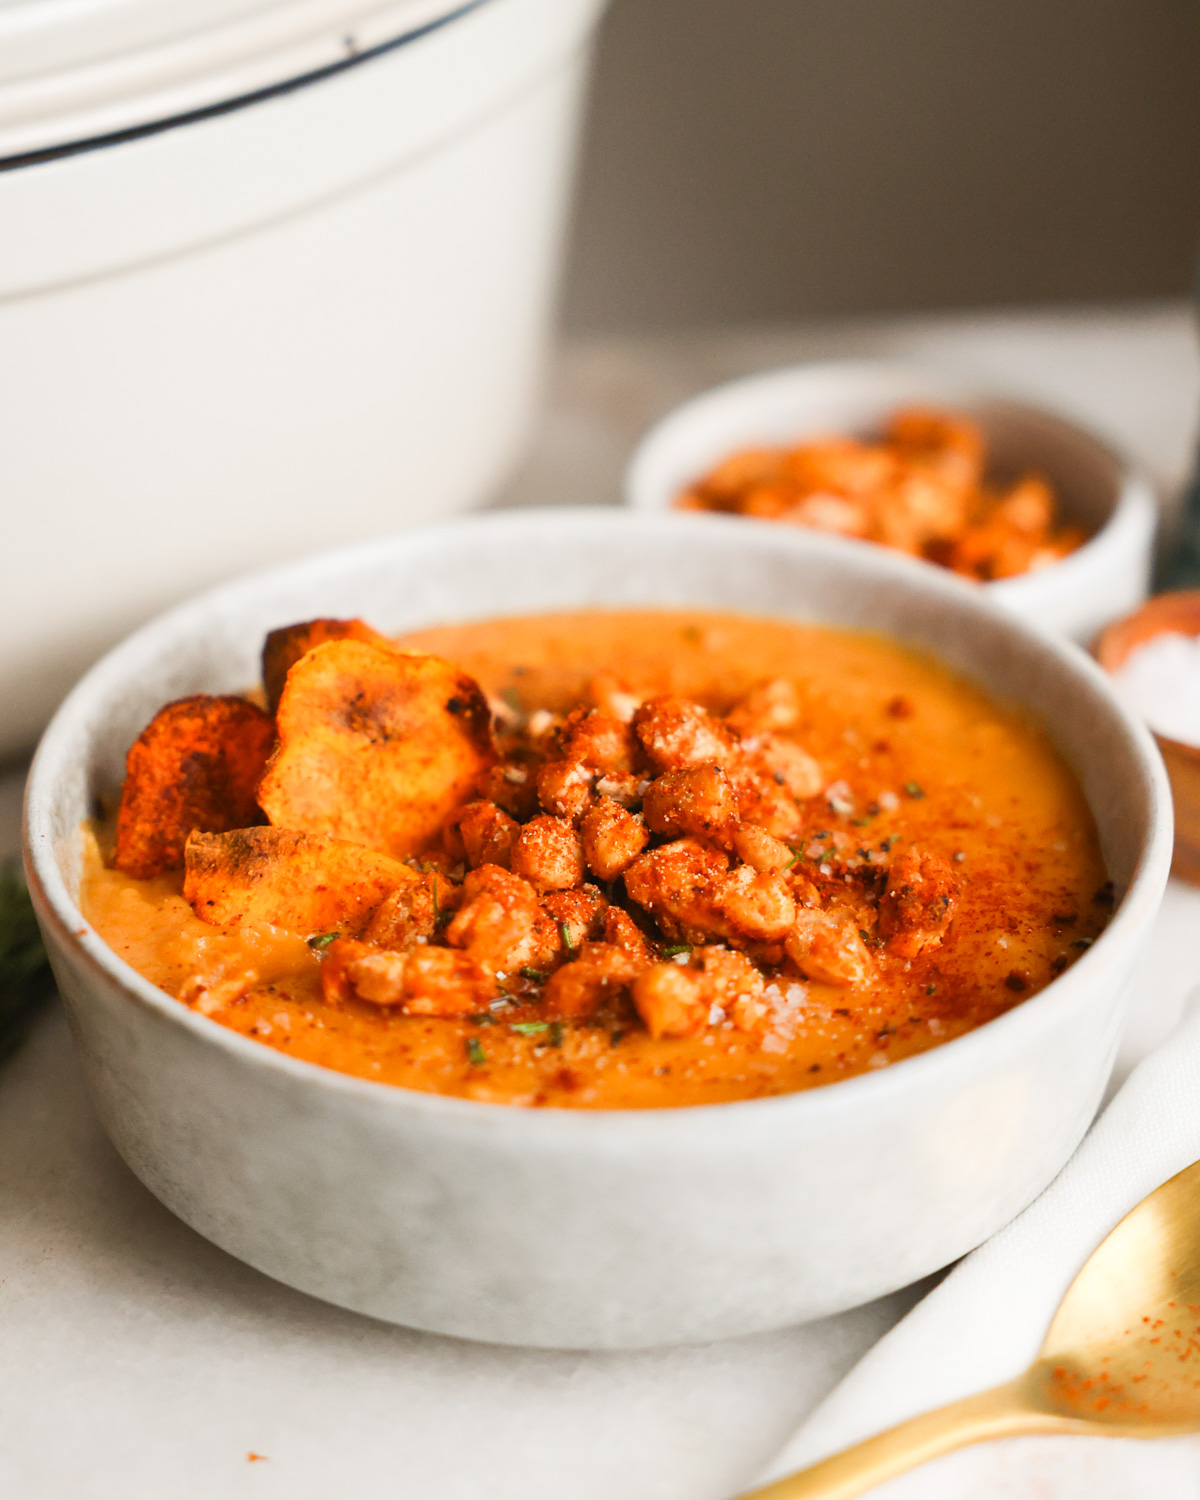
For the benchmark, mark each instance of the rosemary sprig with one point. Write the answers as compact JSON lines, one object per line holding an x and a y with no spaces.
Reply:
{"x":25,"y":977}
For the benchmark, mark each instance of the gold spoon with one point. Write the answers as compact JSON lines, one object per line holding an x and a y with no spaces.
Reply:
{"x":1121,"y":1359}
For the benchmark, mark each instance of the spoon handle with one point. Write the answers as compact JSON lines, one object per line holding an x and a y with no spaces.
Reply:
{"x":1004,"y":1411}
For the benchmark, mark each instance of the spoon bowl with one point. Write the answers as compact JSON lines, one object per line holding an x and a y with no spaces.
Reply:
{"x":1121,"y":1359}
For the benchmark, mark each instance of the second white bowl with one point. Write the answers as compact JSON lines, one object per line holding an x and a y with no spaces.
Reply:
{"x":1106,"y":578}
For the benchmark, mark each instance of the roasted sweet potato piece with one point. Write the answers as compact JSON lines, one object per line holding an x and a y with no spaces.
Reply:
{"x":376,"y":746}
{"x":196,"y":765}
{"x":305,"y":882}
{"x":284,"y":647}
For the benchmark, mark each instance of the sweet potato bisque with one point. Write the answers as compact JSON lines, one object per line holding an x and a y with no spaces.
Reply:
{"x":602,"y":860}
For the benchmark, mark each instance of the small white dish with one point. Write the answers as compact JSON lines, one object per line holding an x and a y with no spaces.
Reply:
{"x":603,"y":1229}
{"x":1106,"y":578}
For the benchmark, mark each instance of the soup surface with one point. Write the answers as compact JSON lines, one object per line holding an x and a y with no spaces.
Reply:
{"x":934,"y":860}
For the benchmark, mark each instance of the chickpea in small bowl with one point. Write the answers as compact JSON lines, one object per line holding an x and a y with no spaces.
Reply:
{"x":942,"y":469}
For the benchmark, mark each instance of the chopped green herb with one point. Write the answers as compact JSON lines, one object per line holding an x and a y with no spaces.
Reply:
{"x":556,"y":1034}
{"x":476,"y":1056}
{"x":676,"y":949}
{"x":864,"y":934}
{"x":482,"y":1018}
{"x":914,"y":790}
{"x":25,"y":978}
{"x":321,"y":940}
{"x":535,"y":976}
{"x":528,"y":1028}
{"x":795,"y":860}
{"x":931,"y":989}
{"x":565,"y":933}
{"x":440,"y":917}
{"x":860,"y":822}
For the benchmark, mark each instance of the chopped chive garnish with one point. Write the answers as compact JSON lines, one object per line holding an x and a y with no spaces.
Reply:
{"x":565,"y":933}
{"x":556,"y":1033}
{"x":930,"y":989}
{"x":795,"y":859}
{"x":914,"y":790}
{"x":476,"y":1056}
{"x":528,"y":1028}
{"x":535,"y":976}
{"x":676,"y":949}
{"x":321,"y":940}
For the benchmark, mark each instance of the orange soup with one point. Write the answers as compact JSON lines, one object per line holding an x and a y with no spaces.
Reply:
{"x":599,"y":860}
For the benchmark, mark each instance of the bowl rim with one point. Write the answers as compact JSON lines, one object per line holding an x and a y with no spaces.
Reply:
{"x":662,"y":1125}
{"x":1134,"y":507}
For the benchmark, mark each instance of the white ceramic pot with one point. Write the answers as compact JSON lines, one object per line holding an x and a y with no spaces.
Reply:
{"x":270,"y":282}
{"x":1106,"y":578}
{"x":577,"y":1228}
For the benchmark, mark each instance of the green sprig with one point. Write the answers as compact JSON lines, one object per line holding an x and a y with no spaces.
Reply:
{"x":25,"y":977}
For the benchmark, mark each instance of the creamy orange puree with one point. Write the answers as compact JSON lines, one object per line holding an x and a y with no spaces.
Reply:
{"x":909,"y":750}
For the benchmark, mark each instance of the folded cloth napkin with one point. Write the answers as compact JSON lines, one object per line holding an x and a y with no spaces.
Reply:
{"x":985,"y":1322}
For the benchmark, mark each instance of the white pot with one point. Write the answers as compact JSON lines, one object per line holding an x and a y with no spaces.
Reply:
{"x":576,"y":1227}
{"x":279,"y":279}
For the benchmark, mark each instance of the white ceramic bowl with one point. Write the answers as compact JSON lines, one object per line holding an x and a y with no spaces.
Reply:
{"x":575,"y":1228}
{"x":300,"y":293}
{"x":1106,"y":578}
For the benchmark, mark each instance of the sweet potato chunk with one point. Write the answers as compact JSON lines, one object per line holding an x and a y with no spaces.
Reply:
{"x":283,"y":648}
{"x":305,"y":882}
{"x":195,"y":765}
{"x":376,"y":746}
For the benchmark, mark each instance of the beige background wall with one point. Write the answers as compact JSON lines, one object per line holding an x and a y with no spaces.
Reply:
{"x":756,"y":159}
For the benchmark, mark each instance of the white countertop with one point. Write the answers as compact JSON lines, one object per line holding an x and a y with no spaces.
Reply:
{"x":138,"y":1362}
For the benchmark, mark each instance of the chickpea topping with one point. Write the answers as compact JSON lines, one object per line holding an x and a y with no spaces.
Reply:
{"x":698,"y":802}
{"x":694,"y":820}
{"x":495,"y":921}
{"x":671,"y":1000}
{"x":761,"y":850}
{"x":549,"y":854}
{"x":488,"y":834}
{"x":917,"y":907}
{"x":676,"y":734}
{"x":827,"y":947}
{"x":612,"y":839}
{"x":410,"y":913}
{"x":581,"y":986}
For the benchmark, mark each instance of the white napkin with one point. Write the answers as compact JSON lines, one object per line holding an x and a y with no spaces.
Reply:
{"x":985,"y":1322}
